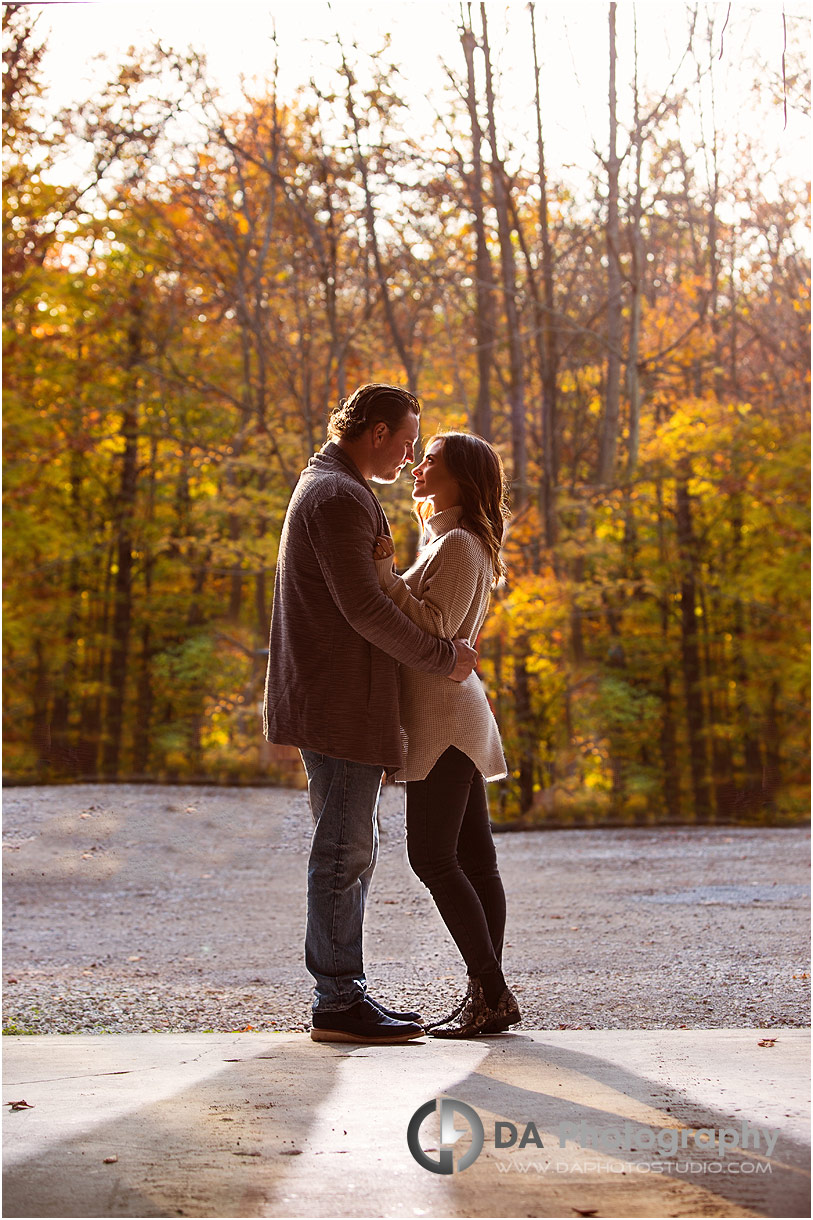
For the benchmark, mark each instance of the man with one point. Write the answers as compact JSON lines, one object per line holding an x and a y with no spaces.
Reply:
{"x":332,"y":689}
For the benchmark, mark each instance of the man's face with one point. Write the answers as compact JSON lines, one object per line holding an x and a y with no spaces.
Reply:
{"x":392,"y":450}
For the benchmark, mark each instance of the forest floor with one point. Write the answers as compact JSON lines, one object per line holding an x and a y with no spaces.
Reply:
{"x":137,"y":907}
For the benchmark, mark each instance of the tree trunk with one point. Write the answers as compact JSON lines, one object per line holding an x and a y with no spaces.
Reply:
{"x":519,"y":481}
{"x":398,"y":338}
{"x":638,"y":259}
{"x":525,"y":733}
{"x":63,"y":754}
{"x":546,"y":330}
{"x":717,"y":715}
{"x":41,"y":726}
{"x":144,"y":690}
{"x":576,"y":615}
{"x":144,"y":705}
{"x":773,"y":748}
{"x":751,"y":795}
{"x":234,"y":485}
{"x":499,"y":649}
{"x":669,"y":763}
{"x":670,"y":771}
{"x":125,"y":515}
{"x":94,"y":674}
{"x":609,"y":427}
{"x":690,"y":652}
{"x":485,"y":329}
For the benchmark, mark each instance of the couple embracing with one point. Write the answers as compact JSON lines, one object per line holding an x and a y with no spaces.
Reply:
{"x":372,"y":672}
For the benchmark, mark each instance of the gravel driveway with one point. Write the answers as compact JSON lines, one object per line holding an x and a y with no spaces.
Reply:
{"x":139,"y":907}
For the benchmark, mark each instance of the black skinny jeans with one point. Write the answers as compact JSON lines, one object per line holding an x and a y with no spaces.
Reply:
{"x":451,"y":850}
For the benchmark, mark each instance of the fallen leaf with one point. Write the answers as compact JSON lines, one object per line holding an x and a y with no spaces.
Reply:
{"x":767,"y":1042}
{"x":19,"y":1105}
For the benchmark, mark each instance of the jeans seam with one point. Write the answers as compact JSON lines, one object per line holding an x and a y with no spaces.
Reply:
{"x":334,"y":948}
{"x":337,"y":868}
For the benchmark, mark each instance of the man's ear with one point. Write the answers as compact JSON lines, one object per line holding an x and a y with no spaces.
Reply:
{"x":379,"y":432}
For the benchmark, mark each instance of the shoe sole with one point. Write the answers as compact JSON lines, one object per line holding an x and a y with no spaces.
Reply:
{"x":453,"y":1035}
{"x":339,"y":1035}
{"x":499,"y":1027}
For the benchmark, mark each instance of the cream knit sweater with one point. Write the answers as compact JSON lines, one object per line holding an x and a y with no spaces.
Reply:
{"x":446,"y":592}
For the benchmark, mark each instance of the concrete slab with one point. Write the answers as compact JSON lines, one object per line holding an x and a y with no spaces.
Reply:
{"x":604,"y":1122}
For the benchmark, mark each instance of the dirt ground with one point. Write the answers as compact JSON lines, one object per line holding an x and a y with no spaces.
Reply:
{"x":141,"y":907}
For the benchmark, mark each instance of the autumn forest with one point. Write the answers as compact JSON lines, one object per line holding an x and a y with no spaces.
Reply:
{"x":180,"y":317}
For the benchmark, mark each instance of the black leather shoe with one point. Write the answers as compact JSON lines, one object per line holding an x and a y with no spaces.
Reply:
{"x":364,"y":1022}
{"x":396,"y":1016}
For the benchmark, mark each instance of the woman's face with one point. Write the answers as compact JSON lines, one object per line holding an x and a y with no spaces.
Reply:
{"x":433,"y":480}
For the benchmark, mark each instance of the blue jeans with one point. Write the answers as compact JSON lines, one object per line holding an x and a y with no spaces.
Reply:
{"x":344,"y":848}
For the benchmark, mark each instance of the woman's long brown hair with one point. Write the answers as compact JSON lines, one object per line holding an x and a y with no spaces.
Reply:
{"x":478,"y":470}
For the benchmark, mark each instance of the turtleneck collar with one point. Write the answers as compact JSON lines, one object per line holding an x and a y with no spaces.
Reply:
{"x":442,"y":522}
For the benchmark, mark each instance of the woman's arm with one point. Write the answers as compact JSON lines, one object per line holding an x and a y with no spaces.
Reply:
{"x":452,"y":580}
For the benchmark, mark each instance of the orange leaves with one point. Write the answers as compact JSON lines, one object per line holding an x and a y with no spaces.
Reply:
{"x":699,"y":428}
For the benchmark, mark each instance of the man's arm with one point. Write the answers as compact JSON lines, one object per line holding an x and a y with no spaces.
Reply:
{"x":342,"y":536}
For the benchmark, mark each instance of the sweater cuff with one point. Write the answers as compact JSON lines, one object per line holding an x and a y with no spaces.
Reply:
{"x":386,"y":572}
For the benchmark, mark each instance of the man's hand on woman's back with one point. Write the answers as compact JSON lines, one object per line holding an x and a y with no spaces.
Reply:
{"x":466,"y":660}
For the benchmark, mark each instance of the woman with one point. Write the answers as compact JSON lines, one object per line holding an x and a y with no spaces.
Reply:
{"x":450,"y":738}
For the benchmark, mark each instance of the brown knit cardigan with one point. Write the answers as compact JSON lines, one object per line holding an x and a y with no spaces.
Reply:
{"x":336,"y":637}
